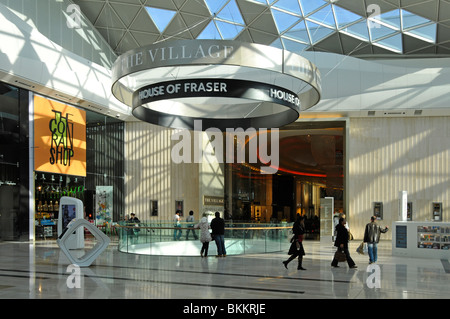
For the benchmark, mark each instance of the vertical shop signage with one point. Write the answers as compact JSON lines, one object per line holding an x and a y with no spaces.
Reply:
{"x":59,"y":138}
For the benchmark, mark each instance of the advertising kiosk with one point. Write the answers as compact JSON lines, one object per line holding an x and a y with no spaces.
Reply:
{"x":421,"y":239}
{"x":71,"y":208}
{"x":71,"y":226}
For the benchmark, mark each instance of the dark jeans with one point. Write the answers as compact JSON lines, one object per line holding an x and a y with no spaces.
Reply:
{"x":350,"y":261}
{"x":204,"y":251}
{"x":220,"y":243}
{"x":193,"y":232}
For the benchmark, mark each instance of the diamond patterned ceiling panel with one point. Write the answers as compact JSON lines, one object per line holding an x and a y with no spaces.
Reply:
{"x":324,"y":16}
{"x":411,"y":20}
{"x":426,"y":33}
{"x":309,"y":6}
{"x":283,"y":20}
{"x":391,"y":19}
{"x":317,"y":32}
{"x":210,"y":32}
{"x":350,"y":27}
{"x":379,"y":31}
{"x":293,"y":46}
{"x":143,"y":23}
{"x":359,"y":30}
{"x":228,"y":31}
{"x":393,"y":43}
{"x":231,"y":13}
{"x":161,"y":17}
{"x":299,"y":32}
{"x":288,"y":5}
{"x":345,"y":17}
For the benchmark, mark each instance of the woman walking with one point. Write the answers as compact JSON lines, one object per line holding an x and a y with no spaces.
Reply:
{"x":205,"y":236}
{"x":341,"y":243}
{"x":296,"y":249}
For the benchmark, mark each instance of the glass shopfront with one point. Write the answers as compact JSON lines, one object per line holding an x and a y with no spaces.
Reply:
{"x":80,"y":162}
{"x":311,"y":167}
{"x":73,"y":156}
{"x":13,"y":155}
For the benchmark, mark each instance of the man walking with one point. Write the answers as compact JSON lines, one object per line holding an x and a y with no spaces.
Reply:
{"x":177,"y":226}
{"x":372,"y":237}
{"x":218,"y":232}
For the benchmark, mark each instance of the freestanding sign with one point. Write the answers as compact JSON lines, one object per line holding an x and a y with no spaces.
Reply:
{"x":69,"y":209}
{"x":403,"y":209}
{"x":326,"y":220}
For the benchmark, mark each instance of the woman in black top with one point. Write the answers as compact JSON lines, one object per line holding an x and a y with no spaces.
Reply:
{"x":296,"y":249}
{"x":341,"y":243}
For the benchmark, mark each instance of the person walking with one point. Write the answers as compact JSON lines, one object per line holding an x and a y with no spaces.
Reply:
{"x":190,"y":220}
{"x":177,"y":226}
{"x":296,"y":249}
{"x":205,"y":236}
{"x":218,"y":233}
{"x":341,"y":243}
{"x":372,"y":235}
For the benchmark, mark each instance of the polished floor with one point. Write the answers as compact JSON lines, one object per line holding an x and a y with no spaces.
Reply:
{"x":41,"y":271}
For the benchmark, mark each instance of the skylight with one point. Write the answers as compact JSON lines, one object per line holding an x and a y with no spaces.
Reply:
{"x":283,"y":20}
{"x":303,"y":24}
{"x":324,"y":16}
{"x":288,"y":5}
{"x":231,"y":13}
{"x":210,"y":32}
{"x":160,"y":17}
{"x":345,"y":17}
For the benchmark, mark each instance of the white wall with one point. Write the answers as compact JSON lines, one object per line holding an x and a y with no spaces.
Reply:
{"x":152,"y":175}
{"x":30,"y":60}
{"x":353,"y":86}
{"x":389,"y":155}
{"x":52,"y":19}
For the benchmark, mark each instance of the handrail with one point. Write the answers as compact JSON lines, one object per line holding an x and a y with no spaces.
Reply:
{"x":159,"y":239}
{"x":226,"y":228}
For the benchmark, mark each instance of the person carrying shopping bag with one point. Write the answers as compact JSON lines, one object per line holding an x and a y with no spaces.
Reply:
{"x":372,"y":235}
{"x":296,"y":249}
{"x":341,"y":243}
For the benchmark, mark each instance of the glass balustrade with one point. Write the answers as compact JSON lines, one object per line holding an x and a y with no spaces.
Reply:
{"x":161,"y":238}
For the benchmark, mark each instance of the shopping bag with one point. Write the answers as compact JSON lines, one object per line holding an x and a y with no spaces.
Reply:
{"x":339,"y":255}
{"x":362,"y":248}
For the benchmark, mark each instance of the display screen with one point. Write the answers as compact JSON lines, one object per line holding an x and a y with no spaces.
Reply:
{"x":68,"y":213}
{"x":402,"y":239}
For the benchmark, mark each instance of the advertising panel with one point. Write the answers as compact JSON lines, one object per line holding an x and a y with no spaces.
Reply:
{"x":59,"y":138}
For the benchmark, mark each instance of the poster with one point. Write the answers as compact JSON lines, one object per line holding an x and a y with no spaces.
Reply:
{"x":179,"y":206}
{"x":103,"y":205}
{"x":59,"y":138}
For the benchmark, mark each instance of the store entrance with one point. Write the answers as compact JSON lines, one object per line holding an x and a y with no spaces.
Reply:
{"x":311,"y":167}
{"x":49,"y":188}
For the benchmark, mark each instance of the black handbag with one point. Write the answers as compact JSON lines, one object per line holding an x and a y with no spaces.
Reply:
{"x":339,"y":255}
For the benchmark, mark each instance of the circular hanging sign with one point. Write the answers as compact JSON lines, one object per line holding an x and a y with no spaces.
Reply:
{"x":226,"y":84}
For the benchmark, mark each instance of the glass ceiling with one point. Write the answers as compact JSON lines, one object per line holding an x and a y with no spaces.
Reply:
{"x":302,"y":24}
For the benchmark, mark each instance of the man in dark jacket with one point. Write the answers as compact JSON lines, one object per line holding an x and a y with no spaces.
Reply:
{"x":218,"y":232}
{"x":341,"y":243}
{"x":372,"y":237}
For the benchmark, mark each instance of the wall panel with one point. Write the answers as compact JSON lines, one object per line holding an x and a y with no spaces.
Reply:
{"x":152,"y":175}
{"x":388,"y":155}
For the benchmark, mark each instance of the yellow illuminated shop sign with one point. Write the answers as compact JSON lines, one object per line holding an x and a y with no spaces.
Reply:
{"x":59,"y":138}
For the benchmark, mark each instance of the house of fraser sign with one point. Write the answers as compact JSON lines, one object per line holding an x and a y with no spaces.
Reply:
{"x":247,"y":73}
